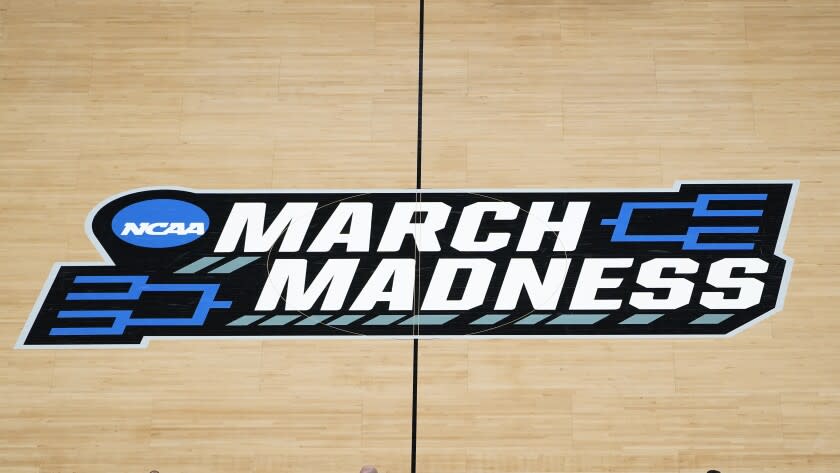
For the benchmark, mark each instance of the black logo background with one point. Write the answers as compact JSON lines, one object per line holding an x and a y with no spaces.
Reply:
{"x":244,"y":285}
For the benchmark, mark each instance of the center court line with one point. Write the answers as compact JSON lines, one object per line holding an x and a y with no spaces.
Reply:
{"x":416,"y":344}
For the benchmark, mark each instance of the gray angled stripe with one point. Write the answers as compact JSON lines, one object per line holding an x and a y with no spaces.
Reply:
{"x":531,"y":319}
{"x":428,"y":319}
{"x":245,"y":320}
{"x":710,"y":319}
{"x":576,"y":319}
{"x":489,"y":319}
{"x":384,"y":319}
{"x":640,"y":319}
{"x":279,"y":320}
{"x":313,"y":319}
{"x":234,"y":264}
{"x":345,"y":320}
{"x":199,"y":264}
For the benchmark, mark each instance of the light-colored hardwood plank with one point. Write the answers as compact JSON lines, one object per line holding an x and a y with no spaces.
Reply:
{"x":640,"y":94}
{"x":101,"y":97}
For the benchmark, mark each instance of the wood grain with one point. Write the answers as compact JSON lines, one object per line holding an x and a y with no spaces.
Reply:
{"x":98,"y":97}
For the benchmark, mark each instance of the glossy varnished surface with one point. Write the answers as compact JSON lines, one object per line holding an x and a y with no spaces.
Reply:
{"x":99,"y":97}
{"x":639,"y":94}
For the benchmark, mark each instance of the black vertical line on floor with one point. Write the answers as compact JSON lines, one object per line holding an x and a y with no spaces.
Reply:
{"x":414,"y":413}
{"x":420,"y":102}
{"x":417,"y":282}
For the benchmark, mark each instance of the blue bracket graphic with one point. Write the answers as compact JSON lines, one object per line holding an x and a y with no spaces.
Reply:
{"x":699,"y":208}
{"x":122,"y":318}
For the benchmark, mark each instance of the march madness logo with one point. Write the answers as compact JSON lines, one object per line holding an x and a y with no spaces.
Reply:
{"x":703,"y":259}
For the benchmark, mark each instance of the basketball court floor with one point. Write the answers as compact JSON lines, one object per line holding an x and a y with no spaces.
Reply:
{"x":99,"y":97}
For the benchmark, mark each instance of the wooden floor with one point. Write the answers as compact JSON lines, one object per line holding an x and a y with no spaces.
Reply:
{"x":98,"y":97}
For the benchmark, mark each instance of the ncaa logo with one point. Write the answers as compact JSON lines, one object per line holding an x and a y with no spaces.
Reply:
{"x":160,"y":223}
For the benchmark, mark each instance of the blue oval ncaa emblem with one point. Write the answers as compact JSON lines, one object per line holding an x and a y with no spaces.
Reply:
{"x":160,"y":223}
